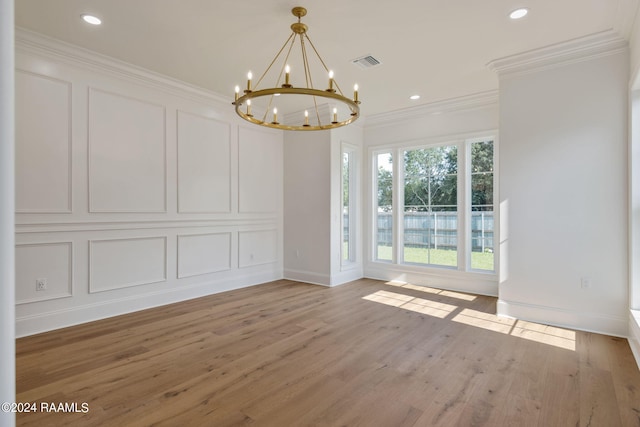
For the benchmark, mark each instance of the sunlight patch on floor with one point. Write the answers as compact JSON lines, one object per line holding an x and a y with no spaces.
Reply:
{"x":545,"y":334}
{"x":487,"y":321}
{"x":451,"y":294}
{"x":407,"y":302}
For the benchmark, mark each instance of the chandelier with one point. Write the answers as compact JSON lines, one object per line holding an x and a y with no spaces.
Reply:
{"x":305,"y":107}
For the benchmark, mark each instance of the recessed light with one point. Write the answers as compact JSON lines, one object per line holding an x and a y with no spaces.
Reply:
{"x":519,"y":13}
{"x":414,"y":97}
{"x":90,"y":19}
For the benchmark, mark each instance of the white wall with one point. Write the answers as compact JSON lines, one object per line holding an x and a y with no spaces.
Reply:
{"x":456,"y":119}
{"x":634,"y":44}
{"x":307,"y":207}
{"x":133,"y":190}
{"x":312,"y":206}
{"x":563,"y":186}
{"x":7,"y":193}
{"x":634,"y":187}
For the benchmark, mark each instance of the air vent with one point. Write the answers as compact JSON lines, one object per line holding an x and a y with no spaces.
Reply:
{"x":367,"y":61}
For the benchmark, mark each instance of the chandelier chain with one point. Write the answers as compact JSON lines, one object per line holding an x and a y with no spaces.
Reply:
{"x":323,"y":64}
{"x":307,"y":73}
{"x":274,"y":60}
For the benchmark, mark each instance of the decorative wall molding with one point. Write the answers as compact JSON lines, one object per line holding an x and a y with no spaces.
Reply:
{"x":573,"y":319}
{"x":213,"y":256}
{"x":571,"y":51}
{"x":69,"y":155}
{"x":46,"y":320}
{"x":65,"y":248}
{"x":127,"y":235}
{"x":109,"y":141}
{"x":38,"y":44}
{"x":117,"y":261}
{"x":259,"y":167}
{"x":182,"y":223}
{"x":225,"y":161}
{"x":257,"y":247}
{"x":463,"y":103}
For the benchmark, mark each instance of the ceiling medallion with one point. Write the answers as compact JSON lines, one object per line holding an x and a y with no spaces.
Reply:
{"x":308,"y":108}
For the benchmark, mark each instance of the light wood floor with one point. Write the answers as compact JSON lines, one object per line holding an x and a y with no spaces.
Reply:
{"x":363,"y":354}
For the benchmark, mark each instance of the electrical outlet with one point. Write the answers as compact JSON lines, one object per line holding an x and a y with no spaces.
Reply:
{"x":585,"y":283}
{"x":41,"y":284}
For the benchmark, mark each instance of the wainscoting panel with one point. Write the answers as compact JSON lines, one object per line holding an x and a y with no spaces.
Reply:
{"x":204,"y":164}
{"x":49,"y":263}
{"x":259,"y":171}
{"x":127,"y":154}
{"x":257,"y":247}
{"x":43,"y":144}
{"x":203,"y":254}
{"x":150,"y":215}
{"x":121,"y":263}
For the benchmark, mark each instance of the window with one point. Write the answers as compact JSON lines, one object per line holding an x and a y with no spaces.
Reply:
{"x":348,"y":204}
{"x":482,"y":222}
{"x":431,"y":206}
{"x":383,"y":238}
{"x":444,"y":205}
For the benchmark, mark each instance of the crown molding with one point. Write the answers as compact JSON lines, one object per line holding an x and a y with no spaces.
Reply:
{"x":463,"y":103}
{"x":31,"y":42}
{"x":556,"y":55}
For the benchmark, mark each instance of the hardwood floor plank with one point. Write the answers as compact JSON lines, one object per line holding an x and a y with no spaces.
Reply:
{"x":292,"y":354}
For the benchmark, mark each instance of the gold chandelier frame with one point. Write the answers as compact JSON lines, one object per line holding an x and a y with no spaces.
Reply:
{"x":299,"y":33}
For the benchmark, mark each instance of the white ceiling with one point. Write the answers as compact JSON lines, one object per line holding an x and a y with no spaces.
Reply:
{"x":436,"y":48}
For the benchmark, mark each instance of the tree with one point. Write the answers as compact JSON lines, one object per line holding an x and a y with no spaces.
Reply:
{"x":385,"y":183}
{"x":431,"y":179}
{"x":345,"y":180}
{"x":482,"y":176}
{"x":385,"y":189}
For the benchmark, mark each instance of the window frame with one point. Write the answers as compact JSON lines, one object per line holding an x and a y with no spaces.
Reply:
{"x":352,"y":152}
{"x":374,"y":206}
{"x":464,"y":236}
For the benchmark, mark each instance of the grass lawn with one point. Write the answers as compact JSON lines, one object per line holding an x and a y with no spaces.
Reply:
{"x":479,"y":260}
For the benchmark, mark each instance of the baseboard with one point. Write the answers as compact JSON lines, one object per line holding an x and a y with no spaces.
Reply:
{"x":308,"y":277}
{"x":347,"y":275}
{"x":453,"y":280}
{"x":634,"y":334}
{"x":572,"y":319}
{"x":48,"y":321}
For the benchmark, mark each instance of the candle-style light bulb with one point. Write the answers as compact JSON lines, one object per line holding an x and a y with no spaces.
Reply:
{"x":306,"y":118}
{"x":335,"y":115}
{"x":237,"y":92}
{"x":355,"y":93}
{"x":249,"y":77}
{"x":249,"y":107}
{"x":330,"y":81}
{"x":275,"y":115}
{"x":287,"y":70}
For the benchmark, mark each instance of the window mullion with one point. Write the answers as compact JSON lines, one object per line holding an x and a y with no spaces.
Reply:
{"x":398,"y":207}
{"x":464,"y":203}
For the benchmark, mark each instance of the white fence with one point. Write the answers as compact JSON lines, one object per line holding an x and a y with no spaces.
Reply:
{"x":438,"y":230}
